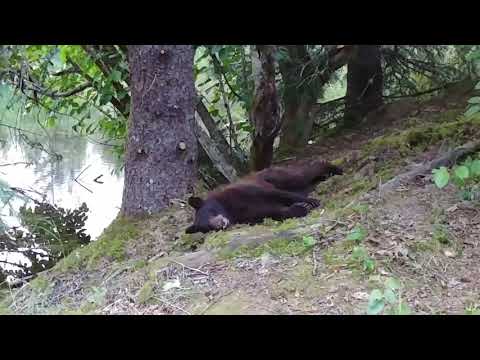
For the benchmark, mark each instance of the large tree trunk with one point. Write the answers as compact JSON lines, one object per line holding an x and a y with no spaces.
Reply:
{"x":161,"y":155}
{"x":364,"y":83}
{"x":265,"y":112}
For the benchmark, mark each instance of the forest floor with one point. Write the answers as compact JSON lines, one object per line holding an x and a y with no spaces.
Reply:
{"x":422,"y":241}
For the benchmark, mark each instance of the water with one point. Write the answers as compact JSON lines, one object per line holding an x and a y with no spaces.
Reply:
{"x":67,"y":182}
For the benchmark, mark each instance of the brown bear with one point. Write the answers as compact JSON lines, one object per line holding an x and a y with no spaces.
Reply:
{"x":278,"y":193}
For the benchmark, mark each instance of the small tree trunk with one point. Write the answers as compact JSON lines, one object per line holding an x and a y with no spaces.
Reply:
{"x":364,"y":83}
{"x":161,"y":154}
{"x":303,"y":85}
{"x":265,"y":112}
{"x":298,"y":99}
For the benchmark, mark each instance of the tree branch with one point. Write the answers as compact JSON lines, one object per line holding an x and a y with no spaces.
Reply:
{"x":68,"y":93}
{"x":218,"y":66}
{"x":13,"y":264}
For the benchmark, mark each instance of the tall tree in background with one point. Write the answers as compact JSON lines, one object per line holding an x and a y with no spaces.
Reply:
{"x":364,"y":83}
{"x":304,"y":76}
{"x":300,"y":93}
{"x":265,"y":111}
{"x":161,"y":154}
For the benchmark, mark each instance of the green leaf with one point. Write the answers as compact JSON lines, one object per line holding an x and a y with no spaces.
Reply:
{"x":477,"y":87}
{"x":462,"y":172}
{"x":359,"y":252}
{"x":368,"y":265}
{"x":403,"y":309}
{"x":357,"y":234}
{"x":441,"y":177}
{"x":376,"y":303}
{"x":63,"y":54}
{"x":390,"y":296}
{"x":392,"y":284}
{"x":475,"y":167}
{"x":472,"y":110}
{"x":116,"y":75}
{"x":309,"y":241}
{"x":51,"y":122}
{"x":105,"y":98}
{"x":474,"y":100}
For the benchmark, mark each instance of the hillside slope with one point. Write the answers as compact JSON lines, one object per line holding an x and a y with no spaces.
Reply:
{"x":419,"y":240}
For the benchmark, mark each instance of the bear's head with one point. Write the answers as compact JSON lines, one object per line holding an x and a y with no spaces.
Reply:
{"x":209,"y":215}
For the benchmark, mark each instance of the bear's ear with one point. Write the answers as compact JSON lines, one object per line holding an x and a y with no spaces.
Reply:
{"x":195,"y":202}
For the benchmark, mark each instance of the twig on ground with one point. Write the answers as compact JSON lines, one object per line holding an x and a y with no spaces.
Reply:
{"x":188,"y":267}
{"x":172,"y":305}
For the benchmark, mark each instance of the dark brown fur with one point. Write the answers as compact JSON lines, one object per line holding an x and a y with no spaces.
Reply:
{"x":276,"y":192}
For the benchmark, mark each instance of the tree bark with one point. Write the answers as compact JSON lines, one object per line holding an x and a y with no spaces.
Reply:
{"x":298,"y":98}
{"x":214,"y":153}
{"x":364,"y":83}
{"x":265,"y":112}
{"x":237,"y":157}
{"x":161,"y":154}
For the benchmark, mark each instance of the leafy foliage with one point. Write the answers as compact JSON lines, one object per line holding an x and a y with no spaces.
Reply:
{"x":361,"y":258}
{"x":357,"y":234}
{"x":388,"y":300}
{"x":48,"y":234}
{"x":441,"y":177}
{"x":72,"y":80}
{"x":90,"y":83}
{"x":465,"y":176}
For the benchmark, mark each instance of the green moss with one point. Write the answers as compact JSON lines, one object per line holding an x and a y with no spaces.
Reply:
{"x":87,"y":308}
{"x":111,"y":245}
{"x":189,"y":241}
{"x":145,"y":293}
{"x":276,"y":247}
{"x":332,"y":257}
{"x":360,"y":208}
{"x":217,"y":240}
{"x":39,"y":284}
{"x":286,"y":225}
{"x":472,"y":309}
{"x":5,"y":308}
{"x":139,"y":264}
{"x":441,"y":235}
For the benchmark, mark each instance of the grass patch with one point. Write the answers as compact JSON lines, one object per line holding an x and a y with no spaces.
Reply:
{"x":277,"y":247}
{"x":111,"y":245}
{"x":145,"y":293}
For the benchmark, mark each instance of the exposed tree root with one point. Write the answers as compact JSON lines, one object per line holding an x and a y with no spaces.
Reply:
{"x":447,"y":159}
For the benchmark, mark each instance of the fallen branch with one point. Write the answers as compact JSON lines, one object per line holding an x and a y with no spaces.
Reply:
{"x":172,"y":305}
{"x":19,"y":265}
{"x":448,"y":159}
{"x":190,"y":268}
{"x":218,"y":158}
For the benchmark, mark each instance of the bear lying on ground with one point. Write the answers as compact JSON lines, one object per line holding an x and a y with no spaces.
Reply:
{"x":278,"y":193}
